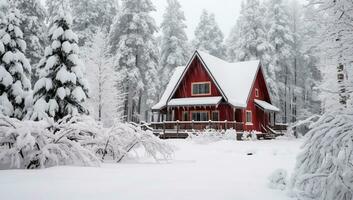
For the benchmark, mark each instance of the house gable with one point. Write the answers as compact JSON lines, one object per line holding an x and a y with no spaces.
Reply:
{"x":259,"y":88}
{"x":195,"y":73}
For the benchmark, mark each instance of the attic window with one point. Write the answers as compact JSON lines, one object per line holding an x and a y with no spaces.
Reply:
{"x":201,"y":88}
{"x":256,"y":92}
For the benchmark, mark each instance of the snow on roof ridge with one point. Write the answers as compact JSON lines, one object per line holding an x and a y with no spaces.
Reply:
{"x":203,"y":53}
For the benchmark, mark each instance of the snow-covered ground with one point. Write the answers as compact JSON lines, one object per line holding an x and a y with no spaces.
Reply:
{"x":200,"y":170}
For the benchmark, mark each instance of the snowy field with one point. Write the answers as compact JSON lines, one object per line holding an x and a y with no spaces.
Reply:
{"x":199,"y":171}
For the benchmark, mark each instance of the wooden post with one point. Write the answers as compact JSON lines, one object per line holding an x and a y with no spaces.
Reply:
{"x":225,"y":125}
{"x":163,"y":127}
{"x":209,"y":124}
{"x":177,"y":122}
{"x":192,"y":124}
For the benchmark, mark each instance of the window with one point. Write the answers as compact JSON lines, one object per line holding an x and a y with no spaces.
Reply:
{"x":200,"y":116}
{"x":248,"y":117}
{"x":215,"y":116}
{"x":186,"y":116}
{"x":201,"y":88}
{"x":256,"y":92}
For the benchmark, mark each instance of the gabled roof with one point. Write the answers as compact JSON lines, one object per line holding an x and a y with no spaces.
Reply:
{"x":234,"y":80}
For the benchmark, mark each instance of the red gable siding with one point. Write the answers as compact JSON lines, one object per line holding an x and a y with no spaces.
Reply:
{"x":195,"y":73}
{"x":258,"y":116}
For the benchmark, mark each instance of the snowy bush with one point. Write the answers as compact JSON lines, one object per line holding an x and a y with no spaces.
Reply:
{"x":114,"y":142}
{"x":249,"y":135}
{"x":119,"y":140}
{"x":230,"y":134}
{"x":28,"y":144}
{"x":324,"y":169}
{"x":212,"y":135}
{"x":278,"y":179}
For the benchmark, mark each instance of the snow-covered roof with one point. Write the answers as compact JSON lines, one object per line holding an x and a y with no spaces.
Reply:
{"x":266,"y":106}
{"x":234,"y":80}
{"x":173,"y":81}
{"x":191,"y":101}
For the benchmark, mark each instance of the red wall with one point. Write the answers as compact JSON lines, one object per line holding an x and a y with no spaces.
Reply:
{"x":196,"y":73}
{"x":258,"y":116}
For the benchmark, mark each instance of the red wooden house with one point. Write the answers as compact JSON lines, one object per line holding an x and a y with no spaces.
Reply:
{"x":212,"y":93}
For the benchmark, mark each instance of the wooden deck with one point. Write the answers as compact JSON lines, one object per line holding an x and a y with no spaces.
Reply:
{"x":181,"y":129}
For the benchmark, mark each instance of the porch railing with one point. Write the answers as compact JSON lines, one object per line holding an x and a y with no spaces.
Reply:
{"x":180,"y":126}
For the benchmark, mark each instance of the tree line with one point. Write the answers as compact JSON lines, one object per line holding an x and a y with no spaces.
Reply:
{"x":129,"y":59}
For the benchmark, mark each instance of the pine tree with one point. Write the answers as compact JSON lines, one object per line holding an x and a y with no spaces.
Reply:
{"x":85,"y":19}
{"x":174,"y":48}
{"x":208,"y":36}
{"x":61,"y":89}
{"x":55,"y":7}
{"x":33,"y":25}
{"x":252,"y":41}
{"x":107,"y":11}
{"x":15,"y":69}
{"x":133,"y":43}
{"x":280,"y":38}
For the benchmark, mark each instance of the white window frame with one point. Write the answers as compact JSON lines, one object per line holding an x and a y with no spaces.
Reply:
{"x":246,"y":117}
{"x":201,"y":83}
{"x":256,"y":92}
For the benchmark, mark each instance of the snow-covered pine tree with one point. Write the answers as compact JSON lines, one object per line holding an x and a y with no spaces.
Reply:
{"x":132,"y":41}
{"x":280,"y":38}
{"x":174,"y":47}
{"x":306,"y":75}
{"x":248,"y":41}
{"x":107,"y":11}
{"x":85,"y":19}
{"x":15,"y":69}
{"x":54,"y":7}
{"x":252,"y":39}
{"x":208,"y":36}
{"x":32,"y":24}
{"x":62,"y":88}
{"x":107,"y":98}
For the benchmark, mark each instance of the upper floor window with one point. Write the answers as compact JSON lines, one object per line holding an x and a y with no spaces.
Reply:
{"x":256,"y":92}
{"x":201,"y":88}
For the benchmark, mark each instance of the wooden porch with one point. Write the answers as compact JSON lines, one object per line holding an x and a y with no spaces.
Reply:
{"x":181,"y":129}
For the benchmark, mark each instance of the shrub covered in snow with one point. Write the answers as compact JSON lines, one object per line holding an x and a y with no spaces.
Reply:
{"x":120,"y":139}
{"x":28,"y":144}
{"x":324,"y":169}
{"x":249,"y":135}
{"x":212,"y":135}
{"x":72,"y":140}
{"x":278,"y":179}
